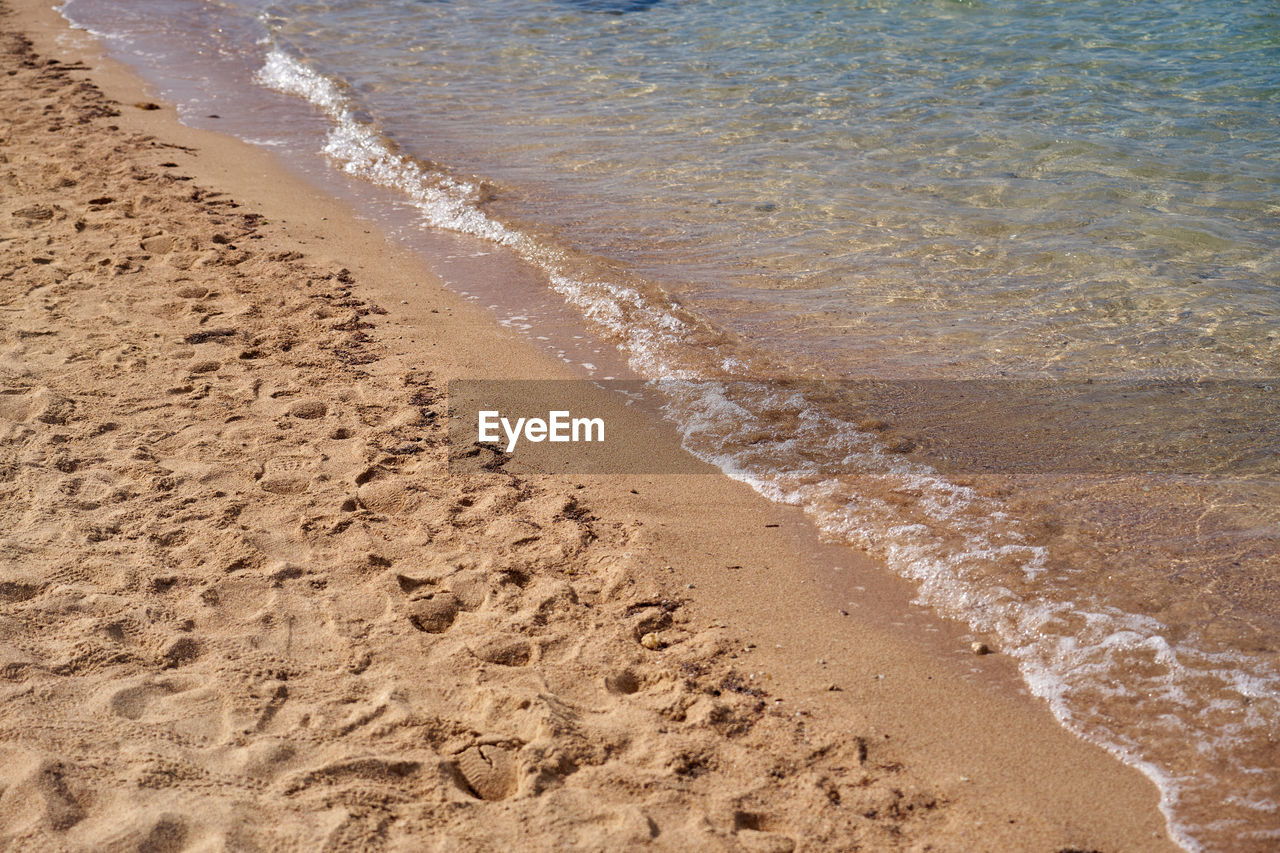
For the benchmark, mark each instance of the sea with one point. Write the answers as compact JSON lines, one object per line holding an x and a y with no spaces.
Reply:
{"x":990,"y":288}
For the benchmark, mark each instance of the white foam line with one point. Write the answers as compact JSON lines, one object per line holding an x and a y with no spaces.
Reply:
{"x":1052,"y":665}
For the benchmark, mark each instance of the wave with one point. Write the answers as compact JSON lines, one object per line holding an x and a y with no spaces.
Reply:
{"x":1179,"y":706}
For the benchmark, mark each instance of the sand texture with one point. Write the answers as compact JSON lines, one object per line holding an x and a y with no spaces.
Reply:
{"x":243,"y":605}
{"x":242,"y":601}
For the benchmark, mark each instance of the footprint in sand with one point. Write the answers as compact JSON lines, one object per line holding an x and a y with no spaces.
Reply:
{"x":433,"y":605}
{"x":471,"y":588}
{"x":389,"y":495}
{"x":504,"y":651}
{"x":40,"y":404}
{"x":158,"y":244}
{"x":131,"y":702}
{"x":308,"y":409}
{"x":167,"y":834}
{"x":489,"y":770}
{"x":286,"y":475}
{"x":36,"y":213}
{"x":434,"y":612}
{"x":622,"y":683}
{"x":37,"y":788}
{"x":34,"y":531}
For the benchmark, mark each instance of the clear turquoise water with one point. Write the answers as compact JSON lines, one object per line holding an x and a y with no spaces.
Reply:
{"x":1083,"y":186}
{"x":1064,"y":190}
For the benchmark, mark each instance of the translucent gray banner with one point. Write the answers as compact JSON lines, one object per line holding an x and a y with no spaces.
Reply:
{"x":569,"y":426}
{"x":1219,"y":427}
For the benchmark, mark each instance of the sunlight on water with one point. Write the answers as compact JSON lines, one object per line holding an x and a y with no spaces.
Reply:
{"x":1074,"y":187}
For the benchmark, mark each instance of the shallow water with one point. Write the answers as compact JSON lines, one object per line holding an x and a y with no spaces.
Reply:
{"x":1078,"y":193}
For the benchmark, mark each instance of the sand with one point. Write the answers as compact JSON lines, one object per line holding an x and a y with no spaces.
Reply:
{"x":244,"y":604}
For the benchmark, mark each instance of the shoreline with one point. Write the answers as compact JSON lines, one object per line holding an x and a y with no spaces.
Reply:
{"x":643,"y":745}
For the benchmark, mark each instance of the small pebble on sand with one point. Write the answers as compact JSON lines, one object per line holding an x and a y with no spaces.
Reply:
{"x":980,"y":648}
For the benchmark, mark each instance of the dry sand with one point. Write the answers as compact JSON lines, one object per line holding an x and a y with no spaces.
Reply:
{"x":244,"y":606}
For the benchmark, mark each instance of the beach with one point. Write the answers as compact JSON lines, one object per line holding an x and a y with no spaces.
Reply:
{"x":245,"y":603}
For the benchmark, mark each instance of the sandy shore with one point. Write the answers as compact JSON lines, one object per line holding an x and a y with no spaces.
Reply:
{"x":243,"y":605}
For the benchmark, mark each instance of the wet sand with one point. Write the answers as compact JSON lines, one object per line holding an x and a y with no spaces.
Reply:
{"x":244,"y":604}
